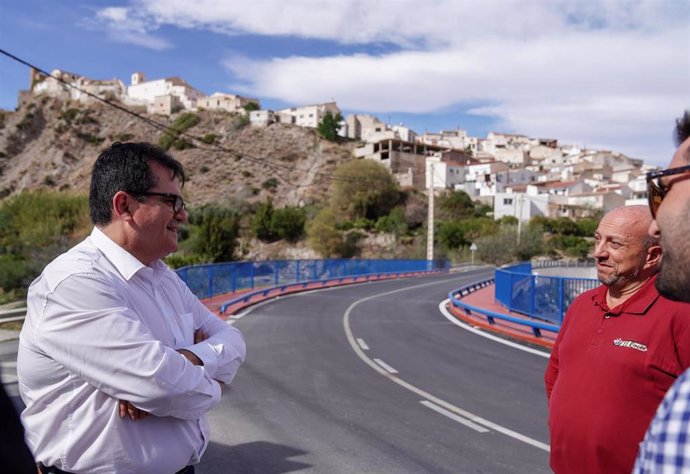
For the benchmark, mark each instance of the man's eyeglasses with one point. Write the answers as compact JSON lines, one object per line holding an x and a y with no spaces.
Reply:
{"x":173,"y":199}
{"x":657,"y":191}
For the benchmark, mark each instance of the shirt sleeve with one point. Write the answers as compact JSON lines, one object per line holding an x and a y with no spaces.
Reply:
{"x":224,"y":350}
{"x":85,"y":324}
{"x":665,"y":445}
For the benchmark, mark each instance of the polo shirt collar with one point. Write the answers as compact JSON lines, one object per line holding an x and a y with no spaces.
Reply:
{"x":639,"y":303}
{"x":125,"y":263}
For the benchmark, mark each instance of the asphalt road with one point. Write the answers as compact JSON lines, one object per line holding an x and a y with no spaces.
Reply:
{"x":311,"y":399}
{"x":373,"y":378}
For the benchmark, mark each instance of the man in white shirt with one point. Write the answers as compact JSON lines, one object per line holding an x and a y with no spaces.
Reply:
{"x":118,"y":361}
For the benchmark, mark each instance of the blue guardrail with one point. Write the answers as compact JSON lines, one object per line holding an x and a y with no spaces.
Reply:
{"x":218,"y":278}
{"x":543,"y":297}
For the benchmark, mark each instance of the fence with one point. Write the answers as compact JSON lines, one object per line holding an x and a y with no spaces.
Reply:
{"x":214,"y":279}
{"x":543,"y":297}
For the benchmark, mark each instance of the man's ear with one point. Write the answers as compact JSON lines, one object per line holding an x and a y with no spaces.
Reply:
{"x":654,"y":254}
{"x":122,"y":204}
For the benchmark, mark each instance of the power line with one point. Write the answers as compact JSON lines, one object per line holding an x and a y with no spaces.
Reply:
{"x":198,"y":143}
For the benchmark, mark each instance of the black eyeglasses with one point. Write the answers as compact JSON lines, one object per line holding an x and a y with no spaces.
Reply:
{"x":656,"y":192}
{"x":177,"y":202}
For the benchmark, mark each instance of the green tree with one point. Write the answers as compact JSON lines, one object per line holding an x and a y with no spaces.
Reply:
{"x":35,"y":227}
{"x":393,"y":223}
{"x":455,"y":205}
{"x":498,"y":249}
{"x":451,"y":235}
{"x":323,"y":236}
{"x":288,"y":223}
{"x":329,"y":126}
{"x":262,"y":222}
{"x":363,"y":188}
{"x":216,"y":233}
{"x":251,"y":106}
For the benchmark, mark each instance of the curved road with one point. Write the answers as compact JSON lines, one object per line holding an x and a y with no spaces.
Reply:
{"x":373,"y":378}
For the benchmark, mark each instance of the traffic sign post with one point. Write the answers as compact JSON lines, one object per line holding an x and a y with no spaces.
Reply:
{"x":473,"y":248}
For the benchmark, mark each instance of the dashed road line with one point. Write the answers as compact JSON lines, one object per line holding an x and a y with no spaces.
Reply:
{"x":386,"y":367}
{"x":422,"y":393}
{"x":362,"y":344}
{"x":453,"y":416}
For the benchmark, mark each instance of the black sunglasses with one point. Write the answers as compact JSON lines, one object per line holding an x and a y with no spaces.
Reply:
{"x":177,"y":202}
{"x":657,"y":191}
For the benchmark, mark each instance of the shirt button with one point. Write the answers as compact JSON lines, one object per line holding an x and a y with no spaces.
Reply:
{"x":600,"y":331}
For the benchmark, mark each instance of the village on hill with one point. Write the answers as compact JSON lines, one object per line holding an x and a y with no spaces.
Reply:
{"x":518,"y":176}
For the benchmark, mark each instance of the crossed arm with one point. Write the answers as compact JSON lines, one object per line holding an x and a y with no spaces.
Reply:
{"x":125,"y":408}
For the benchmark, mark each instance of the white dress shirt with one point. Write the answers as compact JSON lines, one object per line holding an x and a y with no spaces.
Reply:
{"x":102,"y":327}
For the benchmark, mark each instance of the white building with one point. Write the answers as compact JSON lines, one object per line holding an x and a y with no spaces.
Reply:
{"x":310,"y":115}
{"x":444,"y":174}
{"x":520,"y":205}
{"x":261,"y":118}
{"x":145,"y":92}
{"x":227,"y":102}
{"x":84,"y":88}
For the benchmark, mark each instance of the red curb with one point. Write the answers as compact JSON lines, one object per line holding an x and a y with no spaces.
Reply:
{"x":216,"y":302}
{"x":484,"y":298}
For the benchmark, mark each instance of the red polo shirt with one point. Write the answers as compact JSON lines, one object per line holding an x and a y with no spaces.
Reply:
{"x":608,"y":371}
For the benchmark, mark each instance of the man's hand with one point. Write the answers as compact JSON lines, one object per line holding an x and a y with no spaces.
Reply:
{"x":126,"y":408}
{"x":199,"y":336}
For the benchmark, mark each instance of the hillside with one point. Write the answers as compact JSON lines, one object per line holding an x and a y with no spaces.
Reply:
{"x":51,"y":144}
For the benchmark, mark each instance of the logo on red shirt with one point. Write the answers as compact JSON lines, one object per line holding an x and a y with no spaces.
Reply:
{"x":631,"y":344}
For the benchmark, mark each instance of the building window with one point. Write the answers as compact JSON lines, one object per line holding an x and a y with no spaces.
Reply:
{"x":507,"y":201}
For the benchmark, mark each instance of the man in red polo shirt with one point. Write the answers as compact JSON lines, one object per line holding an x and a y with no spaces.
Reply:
{"x":620,"y":348}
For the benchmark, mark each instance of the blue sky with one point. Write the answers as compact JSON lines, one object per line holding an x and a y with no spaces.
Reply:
{"x":611,"y":74}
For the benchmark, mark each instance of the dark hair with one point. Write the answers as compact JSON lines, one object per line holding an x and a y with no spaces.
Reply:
{"x":125,"y":167}
{"x":682,"y":131}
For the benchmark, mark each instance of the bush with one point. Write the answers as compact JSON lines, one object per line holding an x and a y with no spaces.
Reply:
{"x":262,"y":223}
{"x":364,"y":188}
{"x":270,"y":184}
{"x":183,"y":123}
{"x":323,"y":237}
{"x":215,"y":237}
{"x":14,"y":272}
{"x":288,"y":223}
{"x":451,"y":235}
{"x":209,"y":138}
{"x":393,"y":223}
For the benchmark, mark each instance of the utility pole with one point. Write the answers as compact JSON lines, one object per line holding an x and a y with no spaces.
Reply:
{"x":430,"y":223}
{"x":519,"y":226}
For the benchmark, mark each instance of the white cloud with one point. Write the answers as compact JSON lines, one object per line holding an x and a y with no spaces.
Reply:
{"x":123,"y":26}
{"x":609,"y":73}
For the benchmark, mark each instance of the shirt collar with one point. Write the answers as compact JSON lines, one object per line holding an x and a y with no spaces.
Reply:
{"x":125,"y":263}
{"x":638,"y":303}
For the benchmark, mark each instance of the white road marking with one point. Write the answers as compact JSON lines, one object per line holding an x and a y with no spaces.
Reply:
{"x":386,"y":367}
{"x":453,"y":416}
{"x":437,"y":401}
{"x":8,"y":369}
{"x":473,"y":329}
{"x":9,"y":379}
{"x":362,"y":344}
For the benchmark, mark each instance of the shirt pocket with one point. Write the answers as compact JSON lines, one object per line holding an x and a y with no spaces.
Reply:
{"x":183,"y":330}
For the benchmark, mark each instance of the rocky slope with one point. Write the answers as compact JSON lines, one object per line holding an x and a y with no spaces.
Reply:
{"x":51,"y":144}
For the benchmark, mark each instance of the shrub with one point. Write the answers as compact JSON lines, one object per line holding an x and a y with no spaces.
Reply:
{"x":288,"y":223}
{"x":209,"y":138}
{"x":270,"y":184}
{"x":183,"y":123}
